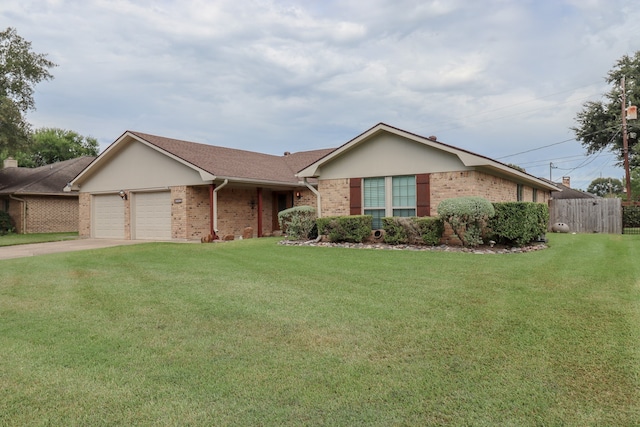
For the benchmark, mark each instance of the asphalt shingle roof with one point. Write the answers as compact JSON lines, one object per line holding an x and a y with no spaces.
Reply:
{"x":234,"y":163}
{"x":49,"y":179}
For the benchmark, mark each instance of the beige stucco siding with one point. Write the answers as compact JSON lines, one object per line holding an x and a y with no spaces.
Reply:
{"x":140,"y":167}
{"x":389,"y":155}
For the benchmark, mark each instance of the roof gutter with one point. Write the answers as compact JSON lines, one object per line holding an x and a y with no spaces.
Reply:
{"x":318,"y":197}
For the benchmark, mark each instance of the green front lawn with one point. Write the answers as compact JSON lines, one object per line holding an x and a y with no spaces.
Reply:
{"x":23,"y":239}
{"x":254,"y":333}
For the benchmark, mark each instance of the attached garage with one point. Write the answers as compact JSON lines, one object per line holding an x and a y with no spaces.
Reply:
{"x":151,"y":216}
{"x":108,"y":216}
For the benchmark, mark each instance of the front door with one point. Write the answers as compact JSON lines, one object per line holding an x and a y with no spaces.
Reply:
{"x":281,"y":201}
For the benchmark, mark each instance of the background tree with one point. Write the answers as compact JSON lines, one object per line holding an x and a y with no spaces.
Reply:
{"x":20,"y":70}
{"x":50,"y":145}
{"x":599,"y":123}
{"x":604,"y":187}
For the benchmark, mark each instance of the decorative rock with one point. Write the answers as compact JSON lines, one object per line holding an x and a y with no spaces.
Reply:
{"x":247,"y":233}
{"x":444,"y":248}
{"x":560,"y":227}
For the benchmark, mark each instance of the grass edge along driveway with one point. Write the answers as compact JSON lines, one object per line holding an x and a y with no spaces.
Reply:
{"x":254,"y":333}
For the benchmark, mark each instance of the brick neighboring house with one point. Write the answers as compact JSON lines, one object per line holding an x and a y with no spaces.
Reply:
{"x":35,"y":197}
{"x":150,"y":187}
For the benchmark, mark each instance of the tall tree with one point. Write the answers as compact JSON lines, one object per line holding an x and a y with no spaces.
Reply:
{"x":599,"y":123}
{"x":50,"y":145}
{"x":20,"y":70}
{"x":604,"y":187}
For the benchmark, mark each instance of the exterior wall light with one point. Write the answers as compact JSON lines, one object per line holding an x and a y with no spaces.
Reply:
{"x":122,"y":195}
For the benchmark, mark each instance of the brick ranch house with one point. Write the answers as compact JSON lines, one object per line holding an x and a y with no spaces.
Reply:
{"x":149,"y":187}
{"x":35,"y":197}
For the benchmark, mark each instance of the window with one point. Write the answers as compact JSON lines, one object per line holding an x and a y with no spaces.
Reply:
{"x":520,"y":196}
{"x":535,"y":195}
{"x":389,"y":196}
{"x":374,"y":200}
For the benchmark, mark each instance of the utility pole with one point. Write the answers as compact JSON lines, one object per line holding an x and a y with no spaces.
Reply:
{"x":625,"y":139}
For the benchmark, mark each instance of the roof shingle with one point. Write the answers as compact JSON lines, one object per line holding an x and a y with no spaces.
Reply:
{"x":48,"y":179}
{"x":226,"y":162}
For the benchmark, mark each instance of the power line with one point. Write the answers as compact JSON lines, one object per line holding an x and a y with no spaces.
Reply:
{"x":558,"y":143}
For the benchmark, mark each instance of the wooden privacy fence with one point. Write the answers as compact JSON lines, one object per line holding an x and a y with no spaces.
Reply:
{"x":587,"y":215}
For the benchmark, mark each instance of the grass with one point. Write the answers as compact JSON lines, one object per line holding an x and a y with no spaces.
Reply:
{"x":23,"y":239}
{"x":254,"y":333}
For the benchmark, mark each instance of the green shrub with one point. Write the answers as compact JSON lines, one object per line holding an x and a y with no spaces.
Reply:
{"x":467,"y":217}
{"x":400,"y":230}
{"x":518,"y":223}
{"x":631,"y":216}
{"x":6,"y":223}
{"x":298,"y":222}
{"x":413,"y":230}
{"x":354,"y":228}
{"x":431,"y":229}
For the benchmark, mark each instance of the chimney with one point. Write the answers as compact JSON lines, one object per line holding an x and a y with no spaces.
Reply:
{"x":10,"y":162}
{"x":566,"y":181}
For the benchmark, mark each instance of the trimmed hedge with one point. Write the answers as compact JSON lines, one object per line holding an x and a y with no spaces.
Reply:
{"x":299,"y":222}
{"x":519,"y":223}
{"x":467,"y":216}
{"x":354,"y":228}
{"x":631,"y":216}
{"x":414,"y":230}
{"x":431,"y":229}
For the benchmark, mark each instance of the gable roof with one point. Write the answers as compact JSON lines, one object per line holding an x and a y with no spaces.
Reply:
{"x":215,"y":162}
{"x":49,"y":179}
{"x":468,"y":158}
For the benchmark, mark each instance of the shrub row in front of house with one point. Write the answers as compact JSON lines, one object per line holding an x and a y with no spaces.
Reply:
{"x":474,"y":220}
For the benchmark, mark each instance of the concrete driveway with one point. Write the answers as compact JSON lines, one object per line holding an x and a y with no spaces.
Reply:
{"x":20,"y":251}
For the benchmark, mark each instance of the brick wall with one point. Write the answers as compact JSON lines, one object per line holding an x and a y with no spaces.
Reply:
{"x":51,"y":214}
{"x":179,"y":212}
{"x":335,"y":196}
{"x":307,"y":198}
{"x":45,"y":214}
{"x":235,"y":212}
{"x":84,"y":209}
{"x":446,"y":185}
{"x":198,"y":213}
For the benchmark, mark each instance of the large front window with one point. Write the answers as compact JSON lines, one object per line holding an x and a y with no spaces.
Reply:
{"x":389,"y":196}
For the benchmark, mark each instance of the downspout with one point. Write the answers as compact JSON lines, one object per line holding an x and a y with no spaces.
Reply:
{"x":318,"y":198}
{"x":23,"y":212}
{"x":214,"y":214}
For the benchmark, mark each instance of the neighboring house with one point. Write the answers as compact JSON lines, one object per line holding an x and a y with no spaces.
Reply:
{"x":564,"y":191}
{"x":35,"y":197}
{"x":149,"y":187}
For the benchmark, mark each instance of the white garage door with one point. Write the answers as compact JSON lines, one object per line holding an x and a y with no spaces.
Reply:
{"x":108,"y":216}
{"x":152,"y":216}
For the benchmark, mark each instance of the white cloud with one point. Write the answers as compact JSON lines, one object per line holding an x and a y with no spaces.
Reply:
{"x":496,"y":76}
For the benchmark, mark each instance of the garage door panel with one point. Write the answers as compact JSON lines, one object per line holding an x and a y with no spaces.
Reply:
{"x":152,"y":216}
{"x":108,"y":216}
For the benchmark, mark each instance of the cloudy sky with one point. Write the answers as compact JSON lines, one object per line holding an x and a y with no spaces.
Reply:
{"x":496,"y":77}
